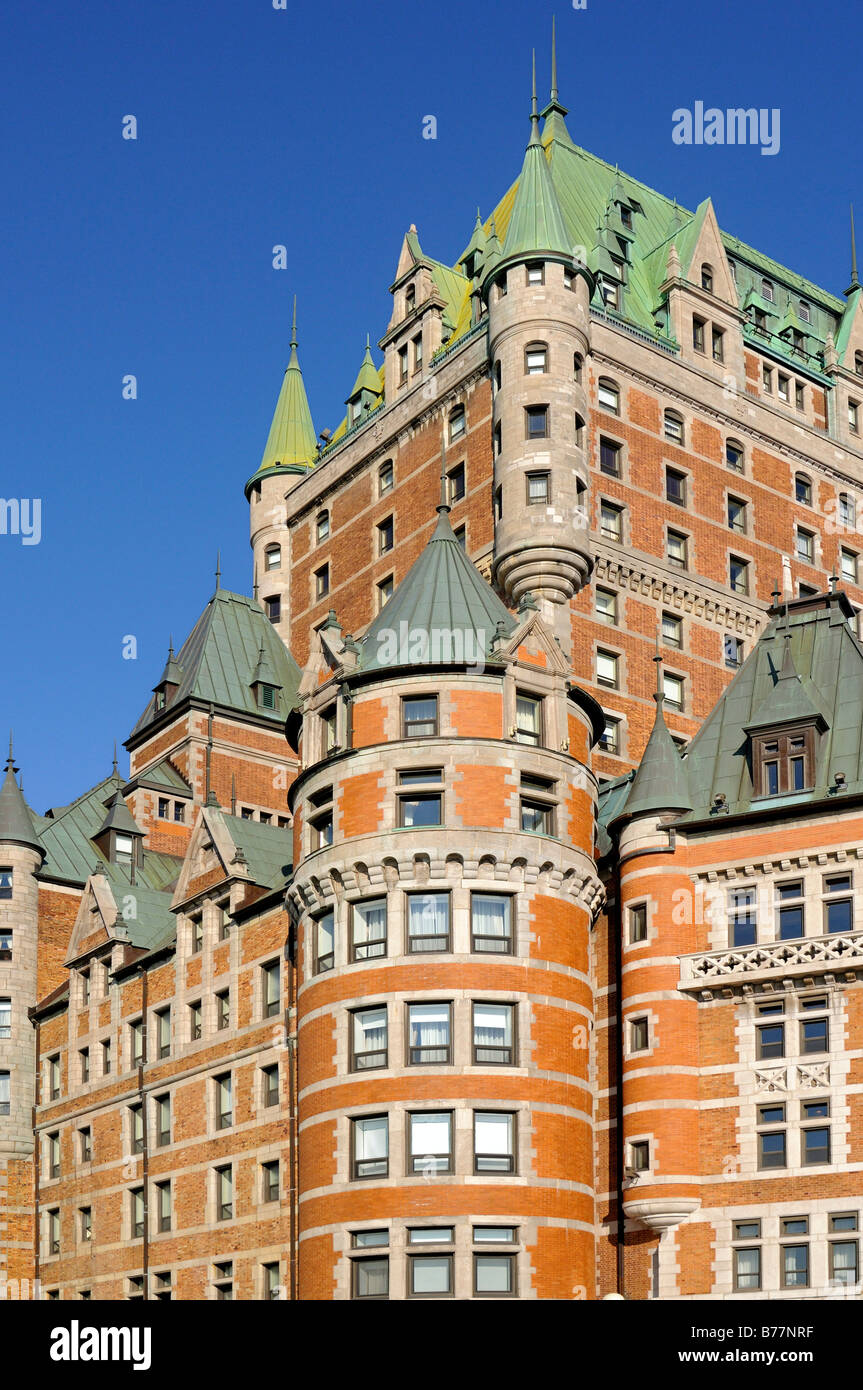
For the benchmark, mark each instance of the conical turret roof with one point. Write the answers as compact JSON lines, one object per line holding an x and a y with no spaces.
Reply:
{"x":16,"y":823}
{"x":173,"y":672}
{"x":660,"y":782}
{"x":368,"y":376}
{"x":537,"y":223}
{"x":291,"y":444}
{"x":119,"y":818}
{"x":442,"y":593}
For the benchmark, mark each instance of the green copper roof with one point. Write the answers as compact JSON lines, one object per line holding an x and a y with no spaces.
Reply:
{"x":815,"y":674}
{"x":660,"y":779}
{"x":66,"y":835}
{"x":368,"y":376}
{"x":120,"y":818}
{"x":441,"y":593}
{"x":292,"y":437}
{"x":537,"y":222}
{"x":267,"y":849}
{"x":173,"y":672}
{"x":219,"y":658}
{"x":16,"y":823}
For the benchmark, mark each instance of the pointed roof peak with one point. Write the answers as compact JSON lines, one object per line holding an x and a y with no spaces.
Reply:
{"x":292,"y":439}
{"x":119,"y":818}
{"x":16,"y":822}
{"x":537,"y":223}
{"x":554,"y":114}
{"x":855,"y":283}
{"x":660,"y":782}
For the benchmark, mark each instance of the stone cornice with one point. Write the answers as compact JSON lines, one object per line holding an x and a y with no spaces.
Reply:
{"x":687,"y":593}
{"x":748,"y":869}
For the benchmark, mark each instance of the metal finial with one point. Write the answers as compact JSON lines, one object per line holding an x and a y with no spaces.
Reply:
{"x":443,"y":505}
{"x":255,"y":583}
{"x":854,"y":281}
{"x":833,"y":582}
{"x":234,"y":783}
{"x":553,"y":61}
{"x":660,"y":692}
{"x":218,"y":569}
{"x":114,"y":769}
{"x":294,"y":325}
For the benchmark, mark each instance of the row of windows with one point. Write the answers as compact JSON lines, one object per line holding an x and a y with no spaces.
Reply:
{"x":429,"y":1148}
{"x":606,"y":609}
{"x":812,"y":1138}
{"x":222,"y":1284}
{"x":794,"y":1253}
{"x":784,"y":919}
{"x":164,"y":810}
{"x":428,"y":927}
{"x":608,"y":668}
{"x":162,"y":1205}
{"x":429,"y":1035}
{"x":432,"y":1273}
{"x":136,"y":1048}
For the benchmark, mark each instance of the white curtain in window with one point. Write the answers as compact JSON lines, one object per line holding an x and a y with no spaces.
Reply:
{"x":490,"y":915}
{"x":325,"y":935}
{"x":492,"y":1024}
{"x":429,"y":1025}
{"x":370,"y":921}
{"x":4,"y":1091}
{"x":370,"y":1030}
{"x":430,"y":1134}
{"x":370,"y":1138}
{"x":373,"y":1278}
{"x":494,"y":1134}
{"x":429,"y":914}
{"x":845,"y":1262}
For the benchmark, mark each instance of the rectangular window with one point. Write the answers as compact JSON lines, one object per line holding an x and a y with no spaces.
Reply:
{"x":536,"y":421}
{"x":493,"y":1034}
{"x":421,"y":810}
{"x":85,"y":1217}
{"x":538,"y":488}
{"x":270,"y":1085}
{"x":609,"y":457}
{"x":698,"y":327}
{"x":606,"y":606}
{"x":676,"y":549}
{"x":223,"y":1010}
{"x":456,"y":484}
{"x":783,"y":384}
{"x":54,"y":1155}
{"x":85,"y":1143}
{"x":224,"y":1103}
{"x":324,"y":943}
{"x":429,"y":1034}
{"x":672,"y":630}
{"x":638,"y":922}
{"x":747,"y":1268}
{"x":163,"y":1032}
{"x":271,"y":989}
{"x":770,"y":1041}
{"x":5,"y":1018}
{"x":844,"y":1259}
{"x":799,"y":396}
{"x":418,"y":351}
{"x":607,"y":669}
{"x":430,"y":1142}
{"x":322,"y":581}
{"x":84,"y":1062}
{"x":789,"y":910}
{"x":136,"y":1043}
{"x":733,"y":650}
{"x":736,"y":514}
{"x":196,"y":925}
{"x":163,"y":1205}
{"x":609,"y":741}
{"x":528,"y":720}
{"x":163,"y":1120}
{"x":738,"y":574}
{"x":805,"y":545}
{"x":772,"y":1142}
{"x":536,"y":274}
{"x":370,"y":1146}
{"x":420,"y":717}
{"x":386,"y":477}
{"x":838,"y":908}
{"x":491,"y":922}
{"x":270,"y":1181}
{"x":639,"y":1034}
{"x":430,"y":1276}
{"x":767,"y":379}
{"x":848,"y":565}
{"x":370,"y":1278}
{"x":610,"y":521}
{"x":815,"y":1144}
{"x":672,"y":687}
{"x":537,"y":817}
{"x":493,"y":1142}
{"x":225,"y":1193}
{"x":369,"y":929}
{"x":385,"y":536}
{"x":428,"y":922}
{"x":136,"y":1128}
{"x":535,"y":361}
{"x":403,"y":364}
{"x":675,"y":487}
{"x":195,"y":1024}
{"x":136,"y":1212}
{"x":718,"y":341}
{"x":369,"y":1038}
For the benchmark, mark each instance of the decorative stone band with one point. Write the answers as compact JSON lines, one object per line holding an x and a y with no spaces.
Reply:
{"x":811,"y":1076}
{"x":618,"y":566}
{"x":319,"y":886}
{"x":732,"y":971}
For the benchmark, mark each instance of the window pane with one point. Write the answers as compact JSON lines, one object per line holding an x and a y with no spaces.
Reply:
{"x":429,"y":1027}
{"x":490,"y":922}
{"x":370,"y":1037}
{"x":430,"y":1235}
{"x":428,"y":921}
{"x":430,"y":1134}
{"x":370,"y":928}
{"x":492,"y":1032}
{"x":372,"y":1278}
{"x":430,"y":1274}
{"x":527,"y":719}
{"x":493,"y":1273}
{"x":493,"y":1142}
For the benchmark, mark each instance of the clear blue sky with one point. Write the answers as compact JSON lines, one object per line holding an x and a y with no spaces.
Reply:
{"x":302,"y":126}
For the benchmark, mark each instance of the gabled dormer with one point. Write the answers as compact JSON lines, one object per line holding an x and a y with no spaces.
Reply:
{"x":120,"y":838}
{"x":168,"y":683}
{"x":265,"y":682}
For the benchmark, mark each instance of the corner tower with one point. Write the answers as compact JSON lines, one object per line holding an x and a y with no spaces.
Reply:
{"x":290,"y":451}
{"x":538,"y":294}
{"x":443,"y":896}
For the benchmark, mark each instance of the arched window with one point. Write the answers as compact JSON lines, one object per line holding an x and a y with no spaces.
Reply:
{"x":767,"y":290}
{"x":457,"y":423}
{"x":577,"y":363}
{"x":497,"y":375}
{"x":734,"y":455}
{"x":609,"y":395}
{"x":273,"y":557}
{"x":536,"y":359}
{"x":674,"y":427}
{"x":803,"y":489}
{"x":707,"y":278}
{"x":322,"y":526}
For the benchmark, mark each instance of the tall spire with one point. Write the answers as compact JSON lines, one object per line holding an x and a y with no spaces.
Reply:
{"x":16,"y":823}
{"x":537,"y":222}
{"x":291,"y":440}
{"x":855,"y":283}
{"x":443,"y":506}
{"x":218,"y":573}
{"x":554,"y":114}
{"x":534,"y":110}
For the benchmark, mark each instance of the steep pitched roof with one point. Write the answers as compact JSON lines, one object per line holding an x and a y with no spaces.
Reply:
{"x":268,"y":849}
{"x":291,"y":444}
{"x":537,"y":222}
{"x":120,"y":818}
{"x":220,"y":655}
{"x":368,"y":376}
{"x":818,"y":678}
{"x":660,"y":782}
{"x":442,"y":592}
{"x":70,"y":854}
{"x":16,"y":823}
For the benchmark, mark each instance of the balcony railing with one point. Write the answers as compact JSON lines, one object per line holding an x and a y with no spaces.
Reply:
{"x":775,"y":960}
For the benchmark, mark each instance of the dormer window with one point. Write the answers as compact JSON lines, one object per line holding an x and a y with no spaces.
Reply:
{"x":626,"y":217}
{"x":123,"y":849}
{"x":161,"y":698}
{"x":410,"y":299}
{"x":267,"y":696}
{"x":707,"y":278}
{"x":784,"y":762}
{"x":767,"y":291}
